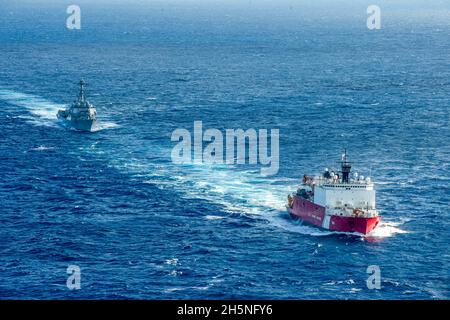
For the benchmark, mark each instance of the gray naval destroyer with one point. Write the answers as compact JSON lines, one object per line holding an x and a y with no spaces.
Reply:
{"x":81,"y":115}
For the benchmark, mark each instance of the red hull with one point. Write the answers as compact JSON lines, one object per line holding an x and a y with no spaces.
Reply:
{"x":315,"y":214}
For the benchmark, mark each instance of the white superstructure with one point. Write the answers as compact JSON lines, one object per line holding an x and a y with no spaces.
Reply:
{"x":341,"y":195}
{"x":352,"y":195}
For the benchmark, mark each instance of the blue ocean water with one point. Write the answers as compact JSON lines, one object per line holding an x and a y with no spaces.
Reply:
{"x":141,"y":227}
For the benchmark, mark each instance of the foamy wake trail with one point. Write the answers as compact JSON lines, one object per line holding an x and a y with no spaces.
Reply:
{"x":43,"y":112}
{"x":236,"y":190}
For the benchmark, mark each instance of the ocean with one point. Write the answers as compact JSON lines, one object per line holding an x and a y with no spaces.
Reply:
{"x":141,"y":227}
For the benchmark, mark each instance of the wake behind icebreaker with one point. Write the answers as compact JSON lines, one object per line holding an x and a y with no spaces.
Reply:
{"x":336,"y":202}
{"x":81,"y":115}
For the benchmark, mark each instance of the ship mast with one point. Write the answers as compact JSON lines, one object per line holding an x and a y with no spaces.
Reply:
{"x":82,"y":85}
{"x":345,"y":167}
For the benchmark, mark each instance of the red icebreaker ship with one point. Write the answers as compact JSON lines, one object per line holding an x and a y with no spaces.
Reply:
{"x":335,"y":202}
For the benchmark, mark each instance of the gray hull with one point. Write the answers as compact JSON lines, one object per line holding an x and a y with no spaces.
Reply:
{"x":83,"y":125}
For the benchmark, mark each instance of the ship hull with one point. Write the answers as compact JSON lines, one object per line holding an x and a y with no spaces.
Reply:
{"x":80,"y":125}
{"x":314,"y":214}
{"x":83,"y":125}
